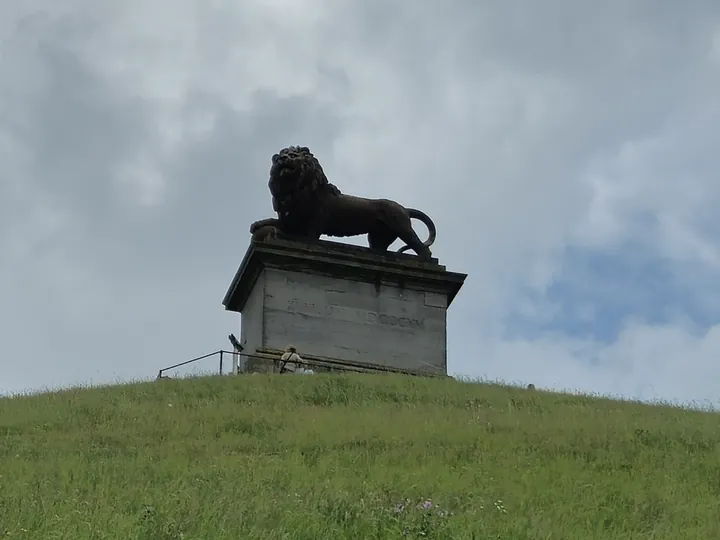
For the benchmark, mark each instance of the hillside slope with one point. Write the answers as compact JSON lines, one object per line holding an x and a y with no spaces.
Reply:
{"x":332,"y":457}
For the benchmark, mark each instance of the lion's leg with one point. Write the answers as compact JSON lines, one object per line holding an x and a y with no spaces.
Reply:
{"x":265,"y":232}
{"x":316,"y":228}
{"x":395,"y":217}
{"x":380,"y":238}
{"x":267,"y":222}
{"x":410,"y":237}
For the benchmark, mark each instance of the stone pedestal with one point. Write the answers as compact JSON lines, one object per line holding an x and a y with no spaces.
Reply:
{"x":345,"y":303}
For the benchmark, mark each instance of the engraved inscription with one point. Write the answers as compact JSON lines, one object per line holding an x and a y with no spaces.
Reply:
{"x":405,"y":322}
{"x":348,"y":314}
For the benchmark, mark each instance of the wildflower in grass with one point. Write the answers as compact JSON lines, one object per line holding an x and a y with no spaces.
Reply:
{"x":427,"y":505}
{"x":499,"y":506}
{"x":400,"y":507}
{"x":421,"y":519}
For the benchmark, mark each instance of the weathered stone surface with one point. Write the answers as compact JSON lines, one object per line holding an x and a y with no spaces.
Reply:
{"x":344,"y":302}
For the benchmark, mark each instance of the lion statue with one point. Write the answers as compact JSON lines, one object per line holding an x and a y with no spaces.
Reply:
{"x":308,"y":205}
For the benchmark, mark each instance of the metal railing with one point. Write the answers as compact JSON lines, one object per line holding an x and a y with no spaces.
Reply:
{"x":270,"y":356}
{"x":219,"y":353}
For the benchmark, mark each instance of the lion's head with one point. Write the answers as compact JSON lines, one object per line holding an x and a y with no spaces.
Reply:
{"x":295,"y":178}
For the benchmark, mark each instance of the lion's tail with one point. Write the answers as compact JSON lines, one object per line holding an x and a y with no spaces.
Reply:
{"x":422,"y":216}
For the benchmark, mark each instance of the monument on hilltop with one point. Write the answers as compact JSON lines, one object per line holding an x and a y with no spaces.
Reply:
{"x":364,"y":307}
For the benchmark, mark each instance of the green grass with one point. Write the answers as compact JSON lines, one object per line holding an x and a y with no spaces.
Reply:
{"x":332,"y":457}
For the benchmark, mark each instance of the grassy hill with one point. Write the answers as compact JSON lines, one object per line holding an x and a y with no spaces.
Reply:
{"x":357,"y":456}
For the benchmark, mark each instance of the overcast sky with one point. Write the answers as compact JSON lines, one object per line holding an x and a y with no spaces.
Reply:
{"x":567,"y":150}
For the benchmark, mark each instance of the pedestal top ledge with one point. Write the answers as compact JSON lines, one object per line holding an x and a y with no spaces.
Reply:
{"x":339,"y":260}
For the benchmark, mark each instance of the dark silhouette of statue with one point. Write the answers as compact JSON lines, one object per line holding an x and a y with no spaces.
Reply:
{"x":308,"y":206}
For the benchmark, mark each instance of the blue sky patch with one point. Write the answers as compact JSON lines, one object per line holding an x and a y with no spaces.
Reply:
{"x":597,"y":292}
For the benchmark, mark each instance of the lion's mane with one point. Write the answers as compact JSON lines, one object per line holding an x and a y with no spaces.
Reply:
{"x":297,"y":174}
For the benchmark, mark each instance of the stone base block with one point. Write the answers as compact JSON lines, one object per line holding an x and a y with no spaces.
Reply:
{"x":344,"y":302}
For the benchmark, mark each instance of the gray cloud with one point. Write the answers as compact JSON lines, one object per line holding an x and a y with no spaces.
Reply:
{"x":93,"y":273}
{"x":135,"y":155}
